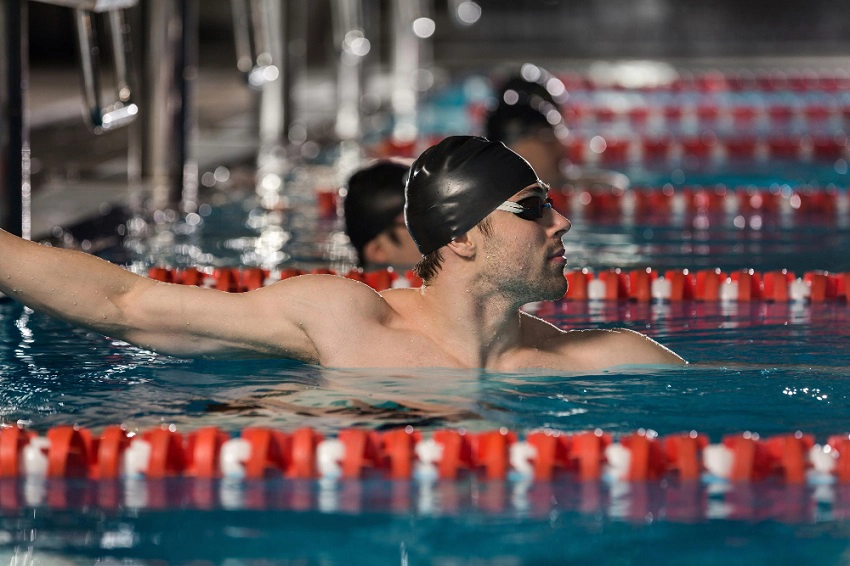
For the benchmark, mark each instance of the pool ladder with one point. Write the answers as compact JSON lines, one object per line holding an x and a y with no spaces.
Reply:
{"x":123,"y":109}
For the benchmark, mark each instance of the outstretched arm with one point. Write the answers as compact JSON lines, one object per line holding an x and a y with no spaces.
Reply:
{"x":173,"y":319}
{"x":71,"y":285}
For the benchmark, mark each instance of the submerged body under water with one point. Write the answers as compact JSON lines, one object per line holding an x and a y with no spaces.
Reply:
{"x":767,"y":368}
{"x":771,"y":369}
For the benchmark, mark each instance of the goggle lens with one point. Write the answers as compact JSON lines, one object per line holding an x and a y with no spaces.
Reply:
{"x":533,"y":207}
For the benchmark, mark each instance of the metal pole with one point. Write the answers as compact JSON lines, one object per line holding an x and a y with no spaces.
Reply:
{"x":277,"y":64}
{"x":169,"y":114}
{"x":14,"y":138}
{"x":352,"y":45}
{"x":294,"y":68}
{"x":274,"y":91}
{"x":405,"y":64}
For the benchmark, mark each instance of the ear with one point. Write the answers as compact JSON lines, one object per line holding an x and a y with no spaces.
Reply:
{"x":375,"y":251}
{"x":464,"y":246}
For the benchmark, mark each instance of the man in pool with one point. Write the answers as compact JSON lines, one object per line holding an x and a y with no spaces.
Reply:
{"x":490,"y":244}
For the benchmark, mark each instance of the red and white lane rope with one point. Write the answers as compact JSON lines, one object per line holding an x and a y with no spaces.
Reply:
{"x":667,"y":201}
{"x":659,"y":145}
{"x":407,"y":454}
{"x":720,"y":81}
{"x":773,"y":99}
{"x":617,"y":148}
{"x":745,"y":201}
{"x":639,"y":285}
{"x":707,"y":110}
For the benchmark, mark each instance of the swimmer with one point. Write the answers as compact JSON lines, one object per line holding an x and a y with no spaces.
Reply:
{"x":374,"y":217}
{"x":527,"y":118}
{"x":490,"y":243}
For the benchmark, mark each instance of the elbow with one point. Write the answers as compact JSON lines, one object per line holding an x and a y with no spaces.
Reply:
{"x":125,"y":313}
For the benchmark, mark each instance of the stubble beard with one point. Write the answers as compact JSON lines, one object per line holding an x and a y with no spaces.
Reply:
{"x":557,"y":286}
{"x":548,"y":284}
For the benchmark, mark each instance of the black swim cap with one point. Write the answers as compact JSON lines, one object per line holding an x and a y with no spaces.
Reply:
{"x":455,"y":184}
{"x":523,"y":107}
{"x":375,"y":198}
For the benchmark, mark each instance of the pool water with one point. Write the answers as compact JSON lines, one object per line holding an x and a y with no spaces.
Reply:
{"x":238,"y":231}
{"x":768,"y":368}
{"x":762,"y":367}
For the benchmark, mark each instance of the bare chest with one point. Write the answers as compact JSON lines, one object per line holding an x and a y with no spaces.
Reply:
{"x":405,"y":348}
{"x":386,"y":347}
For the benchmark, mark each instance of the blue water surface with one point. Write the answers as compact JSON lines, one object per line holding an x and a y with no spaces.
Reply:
{"x":759,"y":367}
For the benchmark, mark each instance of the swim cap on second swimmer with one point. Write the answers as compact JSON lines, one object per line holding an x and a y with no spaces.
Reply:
{"x":455,"y":184}
{"x":375,"y":198}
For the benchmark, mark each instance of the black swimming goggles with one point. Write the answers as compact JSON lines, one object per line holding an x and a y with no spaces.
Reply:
{"x":528,"y":208}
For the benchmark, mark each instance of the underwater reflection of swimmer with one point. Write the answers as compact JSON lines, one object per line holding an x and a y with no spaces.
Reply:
{"x":354,"y":412}
{"x":351,"y":398}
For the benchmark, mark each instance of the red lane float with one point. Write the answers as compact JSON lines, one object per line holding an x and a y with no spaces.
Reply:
{"x":706,"y":90}
{"x":541,"y":455}
{"x":739,"y":203}
{"x":637,"y":285}
{"x":826,"y":203}
{"x":706,"y":285}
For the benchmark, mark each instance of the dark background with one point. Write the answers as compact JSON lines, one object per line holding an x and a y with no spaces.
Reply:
{"x":547,"y":29}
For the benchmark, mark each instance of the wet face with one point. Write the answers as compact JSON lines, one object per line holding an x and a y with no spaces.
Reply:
{"x":523,"y":253}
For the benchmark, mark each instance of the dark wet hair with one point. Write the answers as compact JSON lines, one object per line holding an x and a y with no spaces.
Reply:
{"x":429,"y":266}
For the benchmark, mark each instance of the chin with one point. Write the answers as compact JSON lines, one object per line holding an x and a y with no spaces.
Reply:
{"x":555,"y":291}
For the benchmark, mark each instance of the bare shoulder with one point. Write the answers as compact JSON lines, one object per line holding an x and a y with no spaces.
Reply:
{"x":332,"y":287}
{"x":617,"y":347}
{"x":598,"y":348}
{"x":536,"y":330}
{"x":334,"y":316}
{"x":327,"y":295}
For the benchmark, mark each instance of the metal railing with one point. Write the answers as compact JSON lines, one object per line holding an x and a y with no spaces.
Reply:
{"x":161,"y":152}
{"x":14,"y":71}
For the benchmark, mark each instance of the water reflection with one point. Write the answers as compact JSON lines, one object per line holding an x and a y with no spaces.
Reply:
{"x":639,"y":503}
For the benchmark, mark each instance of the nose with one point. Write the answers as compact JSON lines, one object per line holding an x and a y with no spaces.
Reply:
{"x":560,"y":223}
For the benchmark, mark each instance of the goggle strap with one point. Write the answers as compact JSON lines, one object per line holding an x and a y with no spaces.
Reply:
{"x":509,"y":206}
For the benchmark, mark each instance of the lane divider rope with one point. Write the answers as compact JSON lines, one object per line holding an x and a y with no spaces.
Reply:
{"x":662,"y":146}
{"x":717,"y":81}
{"x":777,"y":200}
{"x":405,"y":453}
{"x":638,"y":285}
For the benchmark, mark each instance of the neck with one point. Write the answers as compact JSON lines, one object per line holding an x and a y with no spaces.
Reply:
{"x":473,"y":321}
